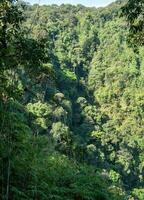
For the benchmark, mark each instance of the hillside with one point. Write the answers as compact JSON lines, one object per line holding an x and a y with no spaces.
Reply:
{"x":72,"y":105}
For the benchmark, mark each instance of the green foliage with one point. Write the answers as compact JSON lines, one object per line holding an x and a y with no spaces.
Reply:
{"x":139,"y":193}
{"x":71,"y":103}
{"x":133,"y":10}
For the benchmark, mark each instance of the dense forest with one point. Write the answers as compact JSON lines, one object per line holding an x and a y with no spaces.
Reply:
{"x":71,"y":101}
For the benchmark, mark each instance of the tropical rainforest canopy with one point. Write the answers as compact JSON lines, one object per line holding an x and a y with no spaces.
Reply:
{"x":71,"y":101}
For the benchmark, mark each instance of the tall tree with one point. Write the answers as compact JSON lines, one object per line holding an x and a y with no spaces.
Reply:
{"x":134,"y":12}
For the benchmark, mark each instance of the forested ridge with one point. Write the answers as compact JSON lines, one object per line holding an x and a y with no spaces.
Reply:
{"x":71,"y":102}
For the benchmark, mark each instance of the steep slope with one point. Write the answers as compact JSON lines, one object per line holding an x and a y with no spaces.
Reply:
{"x":101,"y":80}
{"x":72,"y":107}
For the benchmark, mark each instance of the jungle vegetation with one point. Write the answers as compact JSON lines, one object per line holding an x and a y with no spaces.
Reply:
{"x":71,"y":101}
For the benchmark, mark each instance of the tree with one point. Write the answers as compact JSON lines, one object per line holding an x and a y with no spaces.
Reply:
{"x":134,"y":13}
